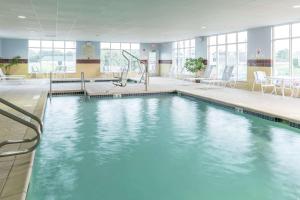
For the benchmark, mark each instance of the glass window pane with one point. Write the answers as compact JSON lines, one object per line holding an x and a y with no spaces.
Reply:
{"x":193,"y":53}
{"x":180,"y":44}
{"x":231,"y":38}
{"x":70,"y":59}
{"x":221,"y":60}
{"x":105,"y":45}
{"x":193,"y":43}
{"x":47,"y":44}
{"x":34,"y":60}
{"x":213,"y":55}
{"x":59,"y":60}
{"x":221,"y":39}
{"x":242,"y":54}
{"x":281,"y":58}
{"x":135,"y":46}
{"x":296,"y":30}
{"x":242,"y":36}
{"x":46,"y":60}
{"x":296,"y":57}
{"x":212,"y":40}
{"x":231,"y":54}
{"x":115,"y":46}
{"x":116,"y":61}
{"x":105,"y":60}
{"x":187,"y":43}
{"x":34,"y":43}
{"x":242,"y":73}
{"x":125,"y":46}
{"x":187,"y":53}
{"x":242,"y":62}
{"x":281,"y":31}
{"x":59,"y":44}
{"x":174,"y":45}
{"x":71,"y":44}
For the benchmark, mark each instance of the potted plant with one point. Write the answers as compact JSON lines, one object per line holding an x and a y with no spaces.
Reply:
{"x":195,"y":65}
{"x":12,"y":62}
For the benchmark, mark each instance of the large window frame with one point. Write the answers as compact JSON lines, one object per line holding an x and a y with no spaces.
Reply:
{"x":113,"y":61}
{"x":229,"y":49}
{"x":45,"y":56}
{"x":291,"y":38}
{"x":181,"y":50}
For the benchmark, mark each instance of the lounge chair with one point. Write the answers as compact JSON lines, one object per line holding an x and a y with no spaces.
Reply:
{"x":226,"y":77}
{"x":10,"y":77}
{"x":295,"y":87}
{"x":206,"y":76}
{"x":260,"y":78}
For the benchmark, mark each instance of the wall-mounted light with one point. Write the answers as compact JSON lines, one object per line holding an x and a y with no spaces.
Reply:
{"x":203,"y":27}
{"x":296,"y":6}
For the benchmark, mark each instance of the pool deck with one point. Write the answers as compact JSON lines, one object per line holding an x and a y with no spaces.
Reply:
{"x":31,"y":95}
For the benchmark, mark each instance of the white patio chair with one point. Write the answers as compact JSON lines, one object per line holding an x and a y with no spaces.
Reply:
{"x":226,"y":77}
{"x":10,"y":77}
{"x":260,"y":78}
{"x":296,"y":88}
{"x":283,"y":85}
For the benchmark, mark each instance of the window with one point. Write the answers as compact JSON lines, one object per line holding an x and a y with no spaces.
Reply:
{"x":112,"y":59}
{"x":228,"y":49}
{"x":46,"y":56}
{"x":181,"y":51}
{"x":286,"y":50}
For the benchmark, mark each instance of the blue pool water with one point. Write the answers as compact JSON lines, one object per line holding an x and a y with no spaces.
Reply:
{"x":162,"y":148}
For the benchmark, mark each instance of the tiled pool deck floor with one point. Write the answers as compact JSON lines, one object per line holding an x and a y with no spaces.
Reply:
{"x":31,"y":95}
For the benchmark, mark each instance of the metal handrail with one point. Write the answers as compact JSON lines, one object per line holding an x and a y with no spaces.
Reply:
{"x":9,"y":142}
{"x":144,"y":73}
{"x":37,"y":130}
{"x":24,"y":112}
{"x":82,"y":80}
{"x":139,"y":62}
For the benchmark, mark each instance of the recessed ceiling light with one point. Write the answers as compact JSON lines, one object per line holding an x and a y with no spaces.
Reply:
{"x":21,"y":17}
{"x":203,"y":27}
{"x":296,"y":6}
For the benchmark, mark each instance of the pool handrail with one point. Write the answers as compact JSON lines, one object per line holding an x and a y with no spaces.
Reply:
{"x":139,"y":62}
{"x":24,"y":112}
{"x":37,"y":129}
{"x":143,"y":72}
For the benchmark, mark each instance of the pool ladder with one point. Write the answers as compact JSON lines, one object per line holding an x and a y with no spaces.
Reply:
{"x":37,"y":129}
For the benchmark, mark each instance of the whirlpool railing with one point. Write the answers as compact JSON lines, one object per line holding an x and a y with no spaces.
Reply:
{"x":37,"y":129}
{"x":143,"y":72}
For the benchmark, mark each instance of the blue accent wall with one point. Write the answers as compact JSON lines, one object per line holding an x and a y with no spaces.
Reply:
{"x":0,"y":48}
{"x":260,"y":38}
{"x":14,"y":47}
{"x":165,"y":51}
{"x":201,"y":47}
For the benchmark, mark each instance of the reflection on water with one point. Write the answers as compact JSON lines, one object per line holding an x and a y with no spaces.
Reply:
{"x":165,"y":147}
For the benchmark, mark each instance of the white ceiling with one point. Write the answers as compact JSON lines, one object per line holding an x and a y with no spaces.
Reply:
{"x":138,"y":20}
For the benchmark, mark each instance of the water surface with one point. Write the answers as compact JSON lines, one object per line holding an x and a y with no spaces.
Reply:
{"x":162,"y":148}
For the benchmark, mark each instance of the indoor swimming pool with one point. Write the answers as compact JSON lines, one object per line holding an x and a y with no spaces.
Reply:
{"x":164,"y":147}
